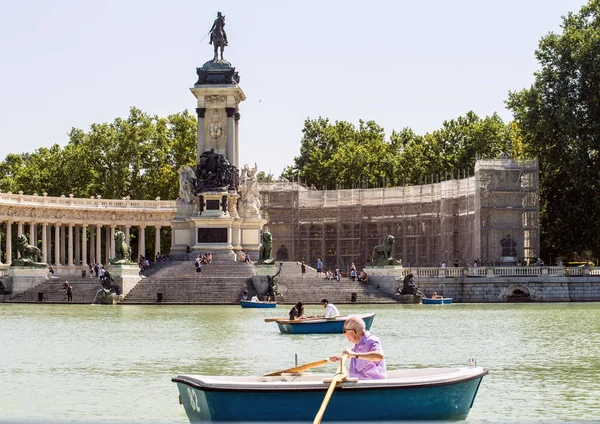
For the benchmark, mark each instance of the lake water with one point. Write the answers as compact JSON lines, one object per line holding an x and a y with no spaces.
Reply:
{"x":79,"y":363}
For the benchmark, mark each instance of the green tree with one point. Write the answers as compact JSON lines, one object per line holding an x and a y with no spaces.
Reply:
{"x":558,"y":118}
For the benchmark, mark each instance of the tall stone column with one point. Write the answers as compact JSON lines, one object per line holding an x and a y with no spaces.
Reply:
{"x":156,"y":240}
{"x":107,"y":246}
{"x":63,"y":244}
{"x":142,"y":240}
{"x":230,"y":153}
{"x":84,"y":245}
{"x":77,"y":241}
{"x":236,"y":160}
{"x":33,"y":234}
{"x":70,"y":247}
{"x":201,"y":145}
{"x":9,"y":242}
{"x":45,"y":242}
{"x":19,"y":234}
{"x":128,"y":235}
{"x":57,"y":244}
{"x":92,"y":245}
{"x":112,"y":242}
{"x":98,"y":243}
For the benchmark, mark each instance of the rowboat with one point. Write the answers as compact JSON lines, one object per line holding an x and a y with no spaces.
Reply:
{"x":258,"y":304}
{"x":405,"y":395}
{"x":440,"y":301}
{"x":320,"y":325}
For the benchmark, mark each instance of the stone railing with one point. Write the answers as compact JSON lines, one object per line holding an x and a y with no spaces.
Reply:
{"x":92,"y":202}
{"x":518,"y":271}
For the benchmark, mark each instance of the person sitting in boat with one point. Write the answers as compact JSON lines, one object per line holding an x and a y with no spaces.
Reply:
{"x":330,"y":310}
{"x":297,"y":311}
{"x":435,"y":296}
{"x":254,"y":299}
{"x":367,"y":361}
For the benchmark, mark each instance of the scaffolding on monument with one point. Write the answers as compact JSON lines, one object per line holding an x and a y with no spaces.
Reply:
{"x":457,"y":220}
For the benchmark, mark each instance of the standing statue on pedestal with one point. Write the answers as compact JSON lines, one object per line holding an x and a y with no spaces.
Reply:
{"x":187,"y":184}
{"x":218,"y":37}
{"x":266,"y":248}
{"x":250,"y":196}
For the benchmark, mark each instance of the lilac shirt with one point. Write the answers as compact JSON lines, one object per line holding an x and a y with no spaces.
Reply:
{"x":363,"y":369}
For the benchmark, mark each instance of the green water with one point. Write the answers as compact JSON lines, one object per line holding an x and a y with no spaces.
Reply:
{"x":78,"y":363}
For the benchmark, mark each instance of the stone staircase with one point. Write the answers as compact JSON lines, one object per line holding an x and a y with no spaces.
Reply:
{"x":52,"y":291}
{"x":176,"y":282}
{"x":313,"y":290}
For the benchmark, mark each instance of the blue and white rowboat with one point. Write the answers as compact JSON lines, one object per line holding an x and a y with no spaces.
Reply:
{"x":259,"y":304}
{"x":439,"y":301}
{"x":406,"y":395}
{"x":320,"y":325}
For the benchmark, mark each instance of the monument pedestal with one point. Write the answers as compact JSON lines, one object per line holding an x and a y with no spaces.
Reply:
{"x":22,"y":278}
{"x":126,"y":276}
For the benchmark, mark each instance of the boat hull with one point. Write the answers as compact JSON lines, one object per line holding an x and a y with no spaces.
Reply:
{"x":250,"y":304}
{"x":444,"y":301}
{"x":320,"y":326}
{"x":290,"y":400}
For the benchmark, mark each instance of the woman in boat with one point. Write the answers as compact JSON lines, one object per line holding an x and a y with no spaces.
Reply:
{"x":297,"y":311}
{"x":435,"y":296}
{"x":367,"y":361}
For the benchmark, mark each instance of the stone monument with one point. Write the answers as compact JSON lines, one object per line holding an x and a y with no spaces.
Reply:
{"x":208,"y":218}
{"x":27,"y":270}
{"x":125,"y":272}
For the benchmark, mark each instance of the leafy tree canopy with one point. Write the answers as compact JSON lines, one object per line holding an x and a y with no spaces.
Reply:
{"x":558,"y":117}
{"x":137,"y":157}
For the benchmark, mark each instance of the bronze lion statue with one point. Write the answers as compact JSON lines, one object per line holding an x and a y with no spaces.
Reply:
{"x":382,"y":253}
{"x":122,"y":249}
{"x":27,"y":251}
{"x":266,"y":248}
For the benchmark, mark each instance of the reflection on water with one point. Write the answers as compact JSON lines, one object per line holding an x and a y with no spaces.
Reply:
{"x":114,"y":363}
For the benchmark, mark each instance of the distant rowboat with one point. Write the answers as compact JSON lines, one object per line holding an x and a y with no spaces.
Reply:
{"x":439,"y":301}
{"x":320,"y":325}
{"x":258,"y":304}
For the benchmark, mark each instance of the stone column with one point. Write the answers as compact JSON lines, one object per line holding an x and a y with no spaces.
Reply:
{"x":56,"y":244}
{"x":9,"y":242}
{"x":112,"y":241}
{"x":201,"y":147}
{"x":237,"y":140}
{"x":19,"y":233}
{"x":107,"y":244}
{"x":77,"y":245}
{"x":70,"y":246}
{"x":92,"y":245}
{"x":45,"y":255}
{"x":128,"y":235}
{"x":98,"y":243}
{"x":230,"y":152}
{"x":63,"y":244}
{"x":32,"y":234}
{"x":142,"y":241}
{"x":156,"y":240}
{"x":84,"y":245}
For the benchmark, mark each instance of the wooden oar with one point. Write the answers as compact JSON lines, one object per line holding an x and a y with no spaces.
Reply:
{"x":299,"y":368}
{"x":339,"y":376}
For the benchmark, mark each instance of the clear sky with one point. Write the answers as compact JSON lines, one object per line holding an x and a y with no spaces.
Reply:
{"x":71,"y":63}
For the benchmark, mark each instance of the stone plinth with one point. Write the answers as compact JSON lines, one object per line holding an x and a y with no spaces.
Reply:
{"x":22,"y":278}
{"x":126,"y":276}
{"x":384,"y":271}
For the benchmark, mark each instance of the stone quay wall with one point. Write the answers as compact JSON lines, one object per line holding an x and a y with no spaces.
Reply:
{"x":501,"y":284}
